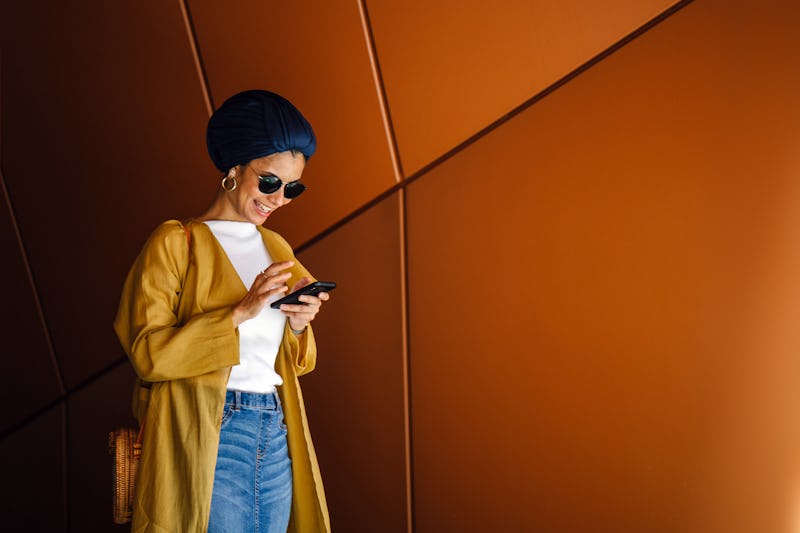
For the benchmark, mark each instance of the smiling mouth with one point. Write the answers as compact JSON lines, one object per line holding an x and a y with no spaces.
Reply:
{"x":261,"y":208}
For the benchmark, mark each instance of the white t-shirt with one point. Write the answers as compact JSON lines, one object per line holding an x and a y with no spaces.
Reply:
{"x":259,"y":337}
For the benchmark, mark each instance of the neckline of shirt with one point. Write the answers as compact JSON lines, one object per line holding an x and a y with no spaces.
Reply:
{"x":233,"y":228}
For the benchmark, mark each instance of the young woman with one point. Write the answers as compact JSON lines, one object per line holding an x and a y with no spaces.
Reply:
{"x":226,"y":443}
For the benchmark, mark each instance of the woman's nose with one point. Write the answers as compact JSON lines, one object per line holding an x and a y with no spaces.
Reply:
{"x":280,"y":198}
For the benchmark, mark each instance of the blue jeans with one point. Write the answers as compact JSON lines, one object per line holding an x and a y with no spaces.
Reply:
{"x":253,"y":477}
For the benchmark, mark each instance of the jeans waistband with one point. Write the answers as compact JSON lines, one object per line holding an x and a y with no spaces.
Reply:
{"x":254,"y":400}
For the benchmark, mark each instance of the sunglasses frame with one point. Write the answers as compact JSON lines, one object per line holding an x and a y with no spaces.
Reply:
{"x":288,"y":187}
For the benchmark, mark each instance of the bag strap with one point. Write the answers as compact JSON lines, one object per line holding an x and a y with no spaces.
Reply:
{"x":189,"y":246}
{"x":140,"y":436}
{"x":187,"y":232}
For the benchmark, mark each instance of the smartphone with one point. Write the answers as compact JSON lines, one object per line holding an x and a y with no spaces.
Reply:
{"x":313,"y":289}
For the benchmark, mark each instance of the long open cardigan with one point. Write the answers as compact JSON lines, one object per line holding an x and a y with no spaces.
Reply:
{"x":175,"y":323}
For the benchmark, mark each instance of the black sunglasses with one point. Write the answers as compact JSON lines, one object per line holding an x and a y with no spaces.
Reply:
{"x":270,"y":183}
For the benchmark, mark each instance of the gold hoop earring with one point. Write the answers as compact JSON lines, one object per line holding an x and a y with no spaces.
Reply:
{"x":227,"y":180}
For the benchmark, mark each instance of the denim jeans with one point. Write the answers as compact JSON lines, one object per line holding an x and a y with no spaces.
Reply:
{"x":253,"y":477}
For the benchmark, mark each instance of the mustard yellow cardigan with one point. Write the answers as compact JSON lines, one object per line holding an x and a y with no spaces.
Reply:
{"x":174,"y":322}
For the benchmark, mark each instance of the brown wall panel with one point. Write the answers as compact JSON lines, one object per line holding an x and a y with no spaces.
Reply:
{"x":25,"y":353}
{"x":103,"y":137}
{"x":355,"y":396}
{"x":453,"y":67}
{"x":616,"y":351}
{"x":603,"y":291}
{"x":314,"y":53}
{"x":93,"y":412}
{"x":31,"y":484}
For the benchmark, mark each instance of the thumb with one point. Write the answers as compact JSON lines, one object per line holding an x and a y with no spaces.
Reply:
{"x":302,"y":282}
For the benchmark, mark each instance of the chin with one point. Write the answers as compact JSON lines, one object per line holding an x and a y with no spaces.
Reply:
{"x":258,"y":219}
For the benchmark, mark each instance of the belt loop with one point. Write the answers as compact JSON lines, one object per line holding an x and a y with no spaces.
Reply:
{"x":237,"y":399}
{"x":278,"y":406}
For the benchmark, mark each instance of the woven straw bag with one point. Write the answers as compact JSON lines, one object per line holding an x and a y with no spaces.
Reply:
{"x":125,"y":448}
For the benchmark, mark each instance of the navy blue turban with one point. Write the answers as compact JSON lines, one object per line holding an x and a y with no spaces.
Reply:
{"x":254,"y":124}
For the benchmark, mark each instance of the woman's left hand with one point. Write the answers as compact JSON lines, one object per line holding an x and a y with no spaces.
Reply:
{"x":301,"y":314}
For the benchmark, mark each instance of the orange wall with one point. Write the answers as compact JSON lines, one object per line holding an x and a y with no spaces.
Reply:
{"x":564,"y":233}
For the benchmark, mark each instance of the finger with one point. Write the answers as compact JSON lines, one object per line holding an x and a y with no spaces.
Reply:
{"x":270,"y":281}
{"x":265,"y":291}
{"x":297,"y":310}
{"x":324,"y":296}
{"x":309,"y":299}
{"x":282,"y":276}
{"x":258,"y":303}
{"x":302,"y":282}
{"x":276,"y":290}
{"x":262,"y":297}
{"x":275,"y":268}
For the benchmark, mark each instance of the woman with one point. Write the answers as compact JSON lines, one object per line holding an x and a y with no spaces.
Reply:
{"x":226,"y":442}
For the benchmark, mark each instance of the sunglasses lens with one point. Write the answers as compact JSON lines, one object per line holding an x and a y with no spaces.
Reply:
{"x":269,"y":184}
{"x":293,"y":189}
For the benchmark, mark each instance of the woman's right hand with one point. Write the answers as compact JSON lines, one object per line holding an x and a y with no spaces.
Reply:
{"x":269,"y":283}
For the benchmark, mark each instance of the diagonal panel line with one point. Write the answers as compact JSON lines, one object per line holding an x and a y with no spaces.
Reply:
{"x":63,"y":398}
{"x":391,"y":190}
{"x":191,"y":32}
{"x":64,"y":393}
{"x":658,"y":19}
{"x":65,"y":502}
{"x":400,"y":187}
{"x":380,"y":89}
{"x":32,"y":282}
{"x":598,"y":58}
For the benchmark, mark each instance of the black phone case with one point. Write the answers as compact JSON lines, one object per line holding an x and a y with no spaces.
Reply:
{"x":313,"y":289}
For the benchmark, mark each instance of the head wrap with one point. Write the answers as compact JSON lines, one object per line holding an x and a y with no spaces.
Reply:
{"x":254,"y":124}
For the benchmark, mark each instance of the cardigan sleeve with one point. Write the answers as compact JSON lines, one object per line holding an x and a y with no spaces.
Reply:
{"x":159,"y":347}
{"x":302,"y":351}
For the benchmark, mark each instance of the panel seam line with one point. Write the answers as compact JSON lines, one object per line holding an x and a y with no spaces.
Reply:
{"x":191,"y":33}
{"x":380,"y":90}
{"x":63,"y":398}
{"x":499,"y":121}
{"x":32,"y":282}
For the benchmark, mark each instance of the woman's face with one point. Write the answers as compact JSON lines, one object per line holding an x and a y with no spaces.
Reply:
{"x":247,"y":203}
